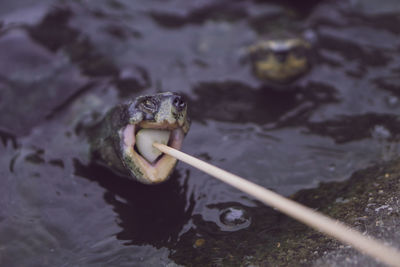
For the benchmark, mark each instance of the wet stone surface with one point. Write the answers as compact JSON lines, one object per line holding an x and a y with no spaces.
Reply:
{"x":63,"y":64}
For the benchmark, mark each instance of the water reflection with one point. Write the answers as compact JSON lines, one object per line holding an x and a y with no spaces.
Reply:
{"x":147,"y":214}
{"x":222,"y":10}
{"x":44,"y":79}
{"x":240,"y":103}
{"x":55,"y":33}
{"x":351,"y":51}
{"x":391,"y":84}
{"x":351,"y":128}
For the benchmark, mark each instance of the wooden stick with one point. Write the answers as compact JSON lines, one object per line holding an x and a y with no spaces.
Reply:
{"x":316,"y":220}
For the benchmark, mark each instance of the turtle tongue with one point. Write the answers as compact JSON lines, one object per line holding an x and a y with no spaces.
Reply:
{"x":145,"y":139}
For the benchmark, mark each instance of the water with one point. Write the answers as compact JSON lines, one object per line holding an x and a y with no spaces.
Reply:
{"x":65,"y":62}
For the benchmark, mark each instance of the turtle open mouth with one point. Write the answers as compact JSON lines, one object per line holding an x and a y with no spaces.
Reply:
{"x":139,"y":153}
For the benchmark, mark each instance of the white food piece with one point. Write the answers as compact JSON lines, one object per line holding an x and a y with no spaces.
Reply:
{"x":145,"y":139}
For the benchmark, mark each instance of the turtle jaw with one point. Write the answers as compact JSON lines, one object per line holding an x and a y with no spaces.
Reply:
{"x":143,"y":170}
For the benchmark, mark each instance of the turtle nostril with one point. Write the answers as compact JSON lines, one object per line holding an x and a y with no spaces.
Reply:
{"x":179,"y":103}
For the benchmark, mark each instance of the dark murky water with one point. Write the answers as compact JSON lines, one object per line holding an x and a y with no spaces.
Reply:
{"x":67,"y":61}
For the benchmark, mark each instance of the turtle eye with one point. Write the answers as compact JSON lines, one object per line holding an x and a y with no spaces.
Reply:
{"x":149,"y":105}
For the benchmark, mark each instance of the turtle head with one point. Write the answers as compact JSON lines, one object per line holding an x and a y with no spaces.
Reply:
{"x":280,"y":60}
{"x":160,"y":118}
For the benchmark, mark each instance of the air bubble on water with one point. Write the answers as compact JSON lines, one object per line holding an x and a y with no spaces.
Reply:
{"x":234,"y":219}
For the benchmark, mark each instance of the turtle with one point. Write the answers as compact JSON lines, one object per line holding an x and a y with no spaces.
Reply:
{"x":284,"y":49}
{"x":122,"y":140}
{"x":281,"y":60}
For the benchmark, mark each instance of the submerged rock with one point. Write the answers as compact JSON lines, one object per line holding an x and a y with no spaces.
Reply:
{"x":368,"y":201}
